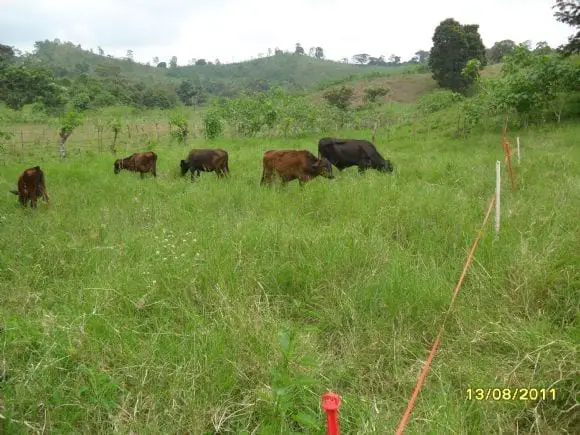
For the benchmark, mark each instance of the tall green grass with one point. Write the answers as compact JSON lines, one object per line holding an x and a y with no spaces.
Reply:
{"x":165,"y":306}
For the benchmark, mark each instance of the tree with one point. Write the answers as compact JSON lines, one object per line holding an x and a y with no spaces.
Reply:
{"x":156,"y":60}
{"x":173,"y":62}
{"x":299,"y":49}
{"x":319,"y":53}
{"x":532,"y":83}
{"x":569,"y":13}
{"x":6,"y":53}
{"x":500,"y":49}
{"x":361,"y":58}
{"x":542,"y":47}
{"x":129,"y":55}
{"x":162,"y":65}
{"x":379,"y":61}
{"x":100,"y":51}
{"x":394,"y":60}
{"x":277,"y":51}
{"x":339,"y":97}
{"x":22,"y":84}
{"x":68,"y":122}
{"x":311,"y":51}
{"x":453,"y":46}
{"x":475,"y":47}
{"x":186,"y":92}
{"x":422,"y":55}
{"x":201,"y":62}
{"x":217,"y":62}
{"x":371,"y":93}
{"x":344,"y":60}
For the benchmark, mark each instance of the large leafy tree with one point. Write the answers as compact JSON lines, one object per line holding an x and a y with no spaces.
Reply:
{"x":568,"y":12}
{"x":24,"y":84}
{"x":6,"y":53}
{"x":501,"y":49}
{"x":475,"y":47}
{"x":453,"y":46}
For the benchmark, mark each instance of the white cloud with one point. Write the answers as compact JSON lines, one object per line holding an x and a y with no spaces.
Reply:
{"x":233,"y":30}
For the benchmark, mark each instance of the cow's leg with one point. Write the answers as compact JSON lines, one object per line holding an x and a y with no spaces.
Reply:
{"x":361,"y":169}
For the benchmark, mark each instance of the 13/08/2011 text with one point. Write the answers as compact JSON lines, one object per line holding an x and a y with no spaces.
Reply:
{"x":511,"y":394}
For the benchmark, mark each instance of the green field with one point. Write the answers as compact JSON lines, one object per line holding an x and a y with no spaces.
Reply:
{"x":165,"y":306}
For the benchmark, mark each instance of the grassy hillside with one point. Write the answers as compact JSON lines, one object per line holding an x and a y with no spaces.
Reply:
{"x":289,"y":71}
{"x":405,"y":86}
{"x":163,"y":306}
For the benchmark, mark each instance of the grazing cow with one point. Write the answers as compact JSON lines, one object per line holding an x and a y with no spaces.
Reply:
{"x":207,"y":160}
{"x":31,"y":186}
{"x":344,"y":153}
{"x":292,"y":164}
{"x":138,"y":162}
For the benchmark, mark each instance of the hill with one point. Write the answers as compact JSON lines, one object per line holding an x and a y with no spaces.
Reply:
{"x":292,"y":72}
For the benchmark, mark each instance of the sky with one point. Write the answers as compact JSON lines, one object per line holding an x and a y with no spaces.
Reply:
{"x":236,"y":30}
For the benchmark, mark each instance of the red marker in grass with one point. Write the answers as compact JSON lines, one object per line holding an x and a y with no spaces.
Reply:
{"x":331,"y":403}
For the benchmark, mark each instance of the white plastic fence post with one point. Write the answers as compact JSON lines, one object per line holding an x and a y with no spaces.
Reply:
{"x":497,"y":194}
{"x":518,"y":140}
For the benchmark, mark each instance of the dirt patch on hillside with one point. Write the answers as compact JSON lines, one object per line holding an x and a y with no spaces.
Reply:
{"x":402,"y":88}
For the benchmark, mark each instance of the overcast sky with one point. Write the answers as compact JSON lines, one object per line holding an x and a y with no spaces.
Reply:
{"x":235,"y":30}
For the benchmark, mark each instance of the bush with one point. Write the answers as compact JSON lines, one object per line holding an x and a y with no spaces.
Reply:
{"x":371,"y":93}
{"x":339,"y":97}
{"x":212,"y":125}
{"x":438,"y":100}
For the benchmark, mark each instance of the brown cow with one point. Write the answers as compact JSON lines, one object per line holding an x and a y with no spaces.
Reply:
{"x":31,"y":186}
{"x":292,"y":164}
{"x":138,"y":162}
{"x":207,"y":160}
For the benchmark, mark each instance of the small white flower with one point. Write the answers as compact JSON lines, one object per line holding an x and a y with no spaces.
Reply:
{"x":157,"y":252}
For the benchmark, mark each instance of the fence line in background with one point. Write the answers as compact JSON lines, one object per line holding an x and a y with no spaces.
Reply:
{"x":495,"y":200}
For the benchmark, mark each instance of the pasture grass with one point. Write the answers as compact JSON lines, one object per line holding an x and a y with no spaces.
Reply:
{"x":165,"y":306}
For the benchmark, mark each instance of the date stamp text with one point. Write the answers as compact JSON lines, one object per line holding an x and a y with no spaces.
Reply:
{"x":511,"y":394}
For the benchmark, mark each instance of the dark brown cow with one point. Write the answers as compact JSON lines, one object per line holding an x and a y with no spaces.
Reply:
{"x":292,"y":164}
{"x":138,"y":162}
{"x":207,"y":160}
{"x":31,"y":186}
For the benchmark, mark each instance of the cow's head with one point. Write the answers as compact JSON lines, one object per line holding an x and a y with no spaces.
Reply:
{"x":117,"y":166}
{"x":324,"y":168}
{"x":387,"y":166}
{"x":184,"y":167}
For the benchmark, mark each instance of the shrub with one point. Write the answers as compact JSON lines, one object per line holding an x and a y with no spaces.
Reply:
{"x":438,"y":100}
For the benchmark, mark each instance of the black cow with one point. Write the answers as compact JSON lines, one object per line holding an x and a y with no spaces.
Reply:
{"x":344,"y":153}
{"x":207,"y":160}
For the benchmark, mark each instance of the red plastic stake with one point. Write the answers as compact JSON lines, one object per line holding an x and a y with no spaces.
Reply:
{"x":331,"y":403}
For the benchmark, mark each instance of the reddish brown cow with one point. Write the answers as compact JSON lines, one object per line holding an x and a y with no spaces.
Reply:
{"x":292,"y":164}
{"x":138,"y":162}
{"x":31,"y":186}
